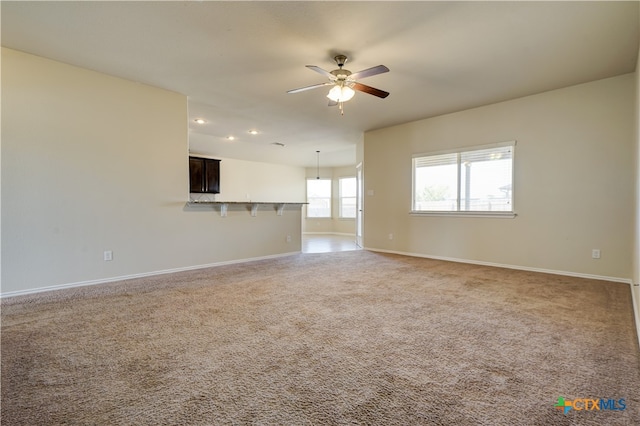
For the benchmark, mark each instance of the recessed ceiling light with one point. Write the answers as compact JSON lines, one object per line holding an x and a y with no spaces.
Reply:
{"x":231,"y":138}
{"x":253,"y":132}
{"x":200,"y":120}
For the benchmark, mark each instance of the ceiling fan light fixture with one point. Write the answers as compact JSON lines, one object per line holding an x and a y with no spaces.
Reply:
{"x":341,"y":93}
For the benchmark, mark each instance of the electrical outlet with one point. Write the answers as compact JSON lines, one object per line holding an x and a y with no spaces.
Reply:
{"x":108,"y":255}
{"x":595,"y":254}
{"x":391,"y":236}
{"x":288,"y":238}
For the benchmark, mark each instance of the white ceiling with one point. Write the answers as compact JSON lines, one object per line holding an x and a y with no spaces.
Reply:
{"x":236,"y":60}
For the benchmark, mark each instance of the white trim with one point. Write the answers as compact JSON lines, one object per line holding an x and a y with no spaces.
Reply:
{"x":636,"y":308}
{"x":502,"y":265}
{"x":504,"y":215}
{"x":141,"y":275}
{"x":329,"y":233}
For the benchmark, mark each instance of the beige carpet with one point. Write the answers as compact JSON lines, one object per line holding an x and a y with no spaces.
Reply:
{"x":337,"y":338}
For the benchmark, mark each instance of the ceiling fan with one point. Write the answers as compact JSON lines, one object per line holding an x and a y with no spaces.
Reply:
{"x":345,"y":82}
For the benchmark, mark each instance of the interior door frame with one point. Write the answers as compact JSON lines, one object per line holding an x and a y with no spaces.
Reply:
{"x":359,"y":206}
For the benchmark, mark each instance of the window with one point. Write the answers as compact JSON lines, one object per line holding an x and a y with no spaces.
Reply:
{"x":319,"y":197}
{"x":347,"y":187}
{"x":474,"y":180}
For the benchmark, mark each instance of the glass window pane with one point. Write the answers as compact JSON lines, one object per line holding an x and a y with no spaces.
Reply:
{"x":318,"y":188}
{"x":347,"y":197}
{"x":319,"y":198}
{"x":477,"y":180}
{"x":436,"y":183}
{"x":348,"y":187}
{"x":348,"y":207}
{"x":319,"y":207}
{"x":485,"y":177}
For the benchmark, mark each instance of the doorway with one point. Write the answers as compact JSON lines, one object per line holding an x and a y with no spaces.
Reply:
{"x":325,"y":243}
{"x":359,"y":205}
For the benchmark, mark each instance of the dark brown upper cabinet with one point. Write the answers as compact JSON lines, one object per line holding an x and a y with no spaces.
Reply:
{"x":204,"y":175}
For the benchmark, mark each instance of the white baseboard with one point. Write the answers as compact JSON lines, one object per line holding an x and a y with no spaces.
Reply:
{"x":635,"y":297}
{"x":502,"y":265}
{"x":330,"y":233}
{"x":141,"y":275}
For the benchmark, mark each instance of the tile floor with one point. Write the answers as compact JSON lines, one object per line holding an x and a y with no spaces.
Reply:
{"x":324,"y":243}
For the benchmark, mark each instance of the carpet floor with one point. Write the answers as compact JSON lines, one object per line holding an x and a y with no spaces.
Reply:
{"x":334,"y":338}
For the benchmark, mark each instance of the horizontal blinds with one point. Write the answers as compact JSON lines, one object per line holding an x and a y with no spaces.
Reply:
{"x":436,"y":160}
{"x":491,"y":154}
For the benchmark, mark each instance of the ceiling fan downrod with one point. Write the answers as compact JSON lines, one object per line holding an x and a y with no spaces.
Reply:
{"x":340,"y":60}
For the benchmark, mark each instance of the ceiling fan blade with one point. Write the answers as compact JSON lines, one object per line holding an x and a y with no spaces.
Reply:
{"x":332,"y":103}
{"x":314,"y":86}
{"x":321,"y":71}
{"x":370,"y":90}
{"x":369,"y":72}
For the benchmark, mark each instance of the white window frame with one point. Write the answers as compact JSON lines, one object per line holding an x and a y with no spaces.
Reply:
{"x":342,"y":197}
{"x":458,"y":212}
{"x":329,"y":198}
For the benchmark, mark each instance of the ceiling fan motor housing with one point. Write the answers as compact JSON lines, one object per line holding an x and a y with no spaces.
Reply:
{"x":341,"y":74}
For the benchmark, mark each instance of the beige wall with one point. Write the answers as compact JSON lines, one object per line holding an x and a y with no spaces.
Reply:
{"x":259,"y":182}
{"x":636,"y":251}
{"x":92,"y":162}
{"x":574,"y":182}
{"x":334,"y":225}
